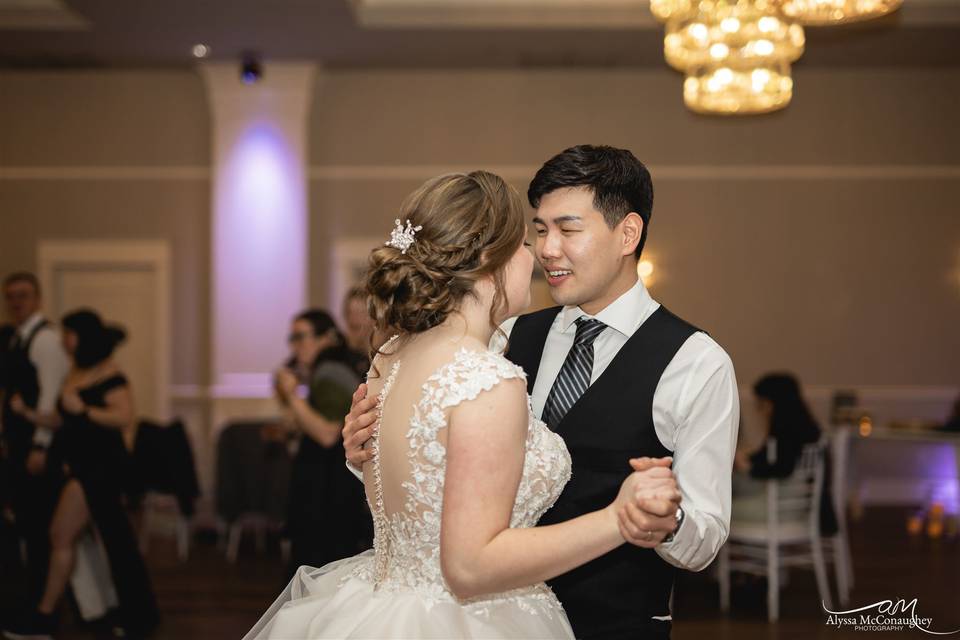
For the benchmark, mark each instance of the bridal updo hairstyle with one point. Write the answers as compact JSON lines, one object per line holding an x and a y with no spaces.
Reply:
{"x":472,"y":225}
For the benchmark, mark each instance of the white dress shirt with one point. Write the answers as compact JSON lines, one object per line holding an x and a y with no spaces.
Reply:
{"x":52,"y":365}
{"x":696,"y":413}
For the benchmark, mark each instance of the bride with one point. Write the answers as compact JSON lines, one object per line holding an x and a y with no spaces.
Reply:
{"x":461,"y":470}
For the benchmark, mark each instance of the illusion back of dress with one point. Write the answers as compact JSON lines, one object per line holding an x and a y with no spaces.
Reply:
{"x":417,"y":387}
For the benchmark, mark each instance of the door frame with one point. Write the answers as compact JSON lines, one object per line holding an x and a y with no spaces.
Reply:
{"x":347,"y":254}
{"x":150,"y":255}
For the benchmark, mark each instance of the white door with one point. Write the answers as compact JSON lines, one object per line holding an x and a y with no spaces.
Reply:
{"x":125,"y":283}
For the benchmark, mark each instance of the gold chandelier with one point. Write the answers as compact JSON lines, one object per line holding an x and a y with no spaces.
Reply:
{"x":737,"y":54}
{"x":745,"y":31}
{"x":830,"y":12}
{"x":738,"y":88}
{"x":663,"y":10}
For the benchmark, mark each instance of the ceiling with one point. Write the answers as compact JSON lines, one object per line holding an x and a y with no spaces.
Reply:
{"x":418,"y":33}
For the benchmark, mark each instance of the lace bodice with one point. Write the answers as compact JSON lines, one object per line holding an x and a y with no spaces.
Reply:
{"x":407,"y":541}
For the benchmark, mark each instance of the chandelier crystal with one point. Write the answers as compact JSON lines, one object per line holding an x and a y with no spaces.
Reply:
{"x":830,"y":12}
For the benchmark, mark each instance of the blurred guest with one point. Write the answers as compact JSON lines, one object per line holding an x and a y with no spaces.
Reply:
{"x":788,"y":422}
{"x":9,"y":544}
{"x":34,"y":366}
{"x":359,"y":327}
{"x":7,"y":331}
{"x":326,"y":518}
{"x":91,"y":453}
{"x":953,"y":422}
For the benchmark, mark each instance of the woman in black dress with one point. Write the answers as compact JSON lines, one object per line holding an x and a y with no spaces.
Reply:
{"x":326,"y":516}
{"x":92,"y":451}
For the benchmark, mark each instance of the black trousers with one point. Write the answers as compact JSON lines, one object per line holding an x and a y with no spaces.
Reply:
{"x":640,"y":630}
{"x":33,"y":500}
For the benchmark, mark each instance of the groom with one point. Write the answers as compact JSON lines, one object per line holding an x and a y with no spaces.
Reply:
{"x":619,"y":377}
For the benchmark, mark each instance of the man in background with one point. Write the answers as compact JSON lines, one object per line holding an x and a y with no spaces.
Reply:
{"x":34,"y":368}
{"x":359,"y":327}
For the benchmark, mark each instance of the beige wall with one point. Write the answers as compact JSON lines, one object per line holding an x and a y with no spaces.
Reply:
{"x":848,"y":280}
{"x":56,"y":128}
{"x":520,"y":117}
{"x":105,"y":118}
{"x":839,"y":266}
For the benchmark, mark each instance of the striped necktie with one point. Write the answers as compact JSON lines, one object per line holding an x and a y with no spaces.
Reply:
{"x":574,"y":376}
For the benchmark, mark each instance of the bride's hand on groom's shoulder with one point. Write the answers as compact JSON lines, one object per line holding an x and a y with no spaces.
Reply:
{"x":647,"y":504}
{"x":358,"y":427}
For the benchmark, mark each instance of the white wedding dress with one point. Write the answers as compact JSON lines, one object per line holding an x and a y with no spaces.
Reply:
{"x":397,"y":590}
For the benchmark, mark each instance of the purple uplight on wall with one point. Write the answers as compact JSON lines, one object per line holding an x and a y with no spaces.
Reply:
{"x":259,"y":222}
{"x":944,"y":468}
{"x":261,"y":245}
{"x":259,"y":170}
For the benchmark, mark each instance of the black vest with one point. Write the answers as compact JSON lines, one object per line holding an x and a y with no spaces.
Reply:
{"x":20,"y":377}
{"x":7,"y":333}
{"x":617,"y":594}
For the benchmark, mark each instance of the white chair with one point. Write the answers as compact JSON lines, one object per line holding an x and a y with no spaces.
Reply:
{"x":838,"y":545}
{"x":161,"y":514}
{"x":260,"y":524}
{"x":790,"y":536}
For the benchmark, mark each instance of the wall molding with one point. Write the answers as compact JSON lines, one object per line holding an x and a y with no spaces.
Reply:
{"x":887,"y":392}
{"x":107,"y":172}
{"x":660,"y":172}
{"x":345,"y":173}
{"x":186,"y":392}
{"x":564,"y":14}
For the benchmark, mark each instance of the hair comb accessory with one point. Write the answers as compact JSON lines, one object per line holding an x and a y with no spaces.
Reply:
{"x":401,"y":238}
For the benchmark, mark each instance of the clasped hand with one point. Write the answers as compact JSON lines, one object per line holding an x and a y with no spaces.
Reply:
{"x":646,"y":506}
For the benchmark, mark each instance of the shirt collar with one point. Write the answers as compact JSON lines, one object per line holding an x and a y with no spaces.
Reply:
{"x":24,"y":330}
{"x":625,"y":314}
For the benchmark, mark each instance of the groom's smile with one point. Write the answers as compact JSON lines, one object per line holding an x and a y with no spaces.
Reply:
{"x":556,"y":277}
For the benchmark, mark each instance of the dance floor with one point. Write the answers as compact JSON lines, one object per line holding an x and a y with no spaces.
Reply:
{"x":207,"y":598}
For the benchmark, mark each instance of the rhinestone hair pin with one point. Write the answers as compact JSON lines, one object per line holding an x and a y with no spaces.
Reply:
{"x":401,"y":238}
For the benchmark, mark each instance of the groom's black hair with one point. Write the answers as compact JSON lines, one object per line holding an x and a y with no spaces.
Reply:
{"x":620,"y":183}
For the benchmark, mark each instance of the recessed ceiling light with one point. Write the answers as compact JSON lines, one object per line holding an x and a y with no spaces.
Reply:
{"x":201,"y":51}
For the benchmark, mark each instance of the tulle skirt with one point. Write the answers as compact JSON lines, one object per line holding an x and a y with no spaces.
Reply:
{"x":332,"y":602}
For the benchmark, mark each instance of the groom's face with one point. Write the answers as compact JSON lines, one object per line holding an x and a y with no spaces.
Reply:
{"x":579,"y":253}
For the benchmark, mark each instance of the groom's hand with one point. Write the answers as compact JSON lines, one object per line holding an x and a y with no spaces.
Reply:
{"x":660,"y":499}
{"x":358,"y":427}
{"x":651,"y":515}
{"x":642,"y":464}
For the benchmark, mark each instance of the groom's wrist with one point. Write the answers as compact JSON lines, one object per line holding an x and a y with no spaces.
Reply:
{"x":679,"y":516}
